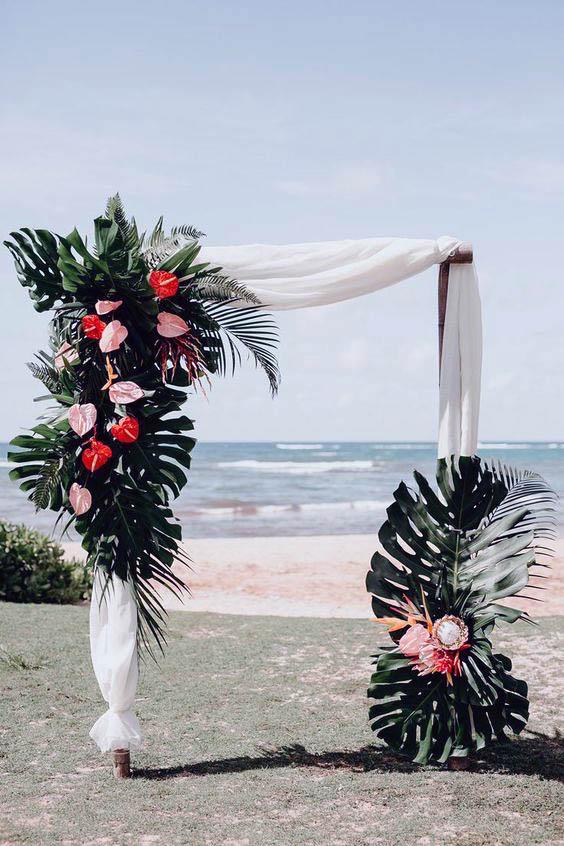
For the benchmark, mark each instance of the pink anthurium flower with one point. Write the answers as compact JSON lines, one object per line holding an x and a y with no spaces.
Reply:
{"x":170,"y":325}
{"x":65,"y":355}
{"x":82,"y":417}
{"x":80,"y":499}
{"x":124,"y":392}
{"x":113,"y":336}
{"x":106,"y":306}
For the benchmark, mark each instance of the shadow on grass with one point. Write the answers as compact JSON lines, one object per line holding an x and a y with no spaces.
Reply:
{"x":537,"y":754}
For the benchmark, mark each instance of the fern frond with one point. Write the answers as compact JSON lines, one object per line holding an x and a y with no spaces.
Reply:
{"x":189,"y":233}
{"x":48,"y":375}
{"x":115,"y":211}
{"x":158,"y":246}
{"x":47,"y":483}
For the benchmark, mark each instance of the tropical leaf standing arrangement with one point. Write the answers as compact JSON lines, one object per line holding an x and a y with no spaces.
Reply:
{"x":137,"y":323}
{"x":439,"y":691}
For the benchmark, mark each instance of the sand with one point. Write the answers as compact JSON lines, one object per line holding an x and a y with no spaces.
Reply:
{"x":304,"y":577}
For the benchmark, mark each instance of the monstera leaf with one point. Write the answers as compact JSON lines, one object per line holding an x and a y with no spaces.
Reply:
{"x":454,"y":554}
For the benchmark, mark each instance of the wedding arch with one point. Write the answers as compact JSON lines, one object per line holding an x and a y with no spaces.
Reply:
{"x":112,"y":446}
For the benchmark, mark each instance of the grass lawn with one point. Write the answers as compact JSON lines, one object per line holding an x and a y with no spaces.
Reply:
{"x":256,"y":733}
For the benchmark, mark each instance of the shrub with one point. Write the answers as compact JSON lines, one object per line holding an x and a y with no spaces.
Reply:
{"x":33,"y":569}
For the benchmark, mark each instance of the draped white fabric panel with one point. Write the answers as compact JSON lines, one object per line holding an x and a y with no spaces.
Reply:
{"x":312,"y":274}
{"x":301,"y":276}
{"x":461,"y":366}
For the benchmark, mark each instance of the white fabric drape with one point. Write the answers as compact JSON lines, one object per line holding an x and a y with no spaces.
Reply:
{"x":302,"y":276}
{"x":312,"y":274}
{"x":113,"y":647}
{"x":461,"y":365}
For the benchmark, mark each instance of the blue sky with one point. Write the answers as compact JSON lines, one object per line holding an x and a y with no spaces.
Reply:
{"x":308,"y":121}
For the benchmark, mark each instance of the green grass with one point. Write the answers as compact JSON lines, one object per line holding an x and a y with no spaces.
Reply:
{"x":256,"y":733}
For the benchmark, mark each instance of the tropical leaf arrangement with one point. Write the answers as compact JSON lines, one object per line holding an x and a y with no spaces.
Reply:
{"x":439,"y":691}
{"x":138,"y":322}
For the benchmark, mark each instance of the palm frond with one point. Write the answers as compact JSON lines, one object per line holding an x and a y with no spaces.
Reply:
{"x":217,"y":288}
{"x":157,"y":247}
{"x":250,"y":327}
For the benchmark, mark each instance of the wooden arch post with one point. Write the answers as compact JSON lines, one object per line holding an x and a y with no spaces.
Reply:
{"x":463,"y":254}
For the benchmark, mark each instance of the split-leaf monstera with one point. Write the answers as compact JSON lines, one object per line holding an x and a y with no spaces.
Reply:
{"x":122,"y":486}
{"x":451,"y":558}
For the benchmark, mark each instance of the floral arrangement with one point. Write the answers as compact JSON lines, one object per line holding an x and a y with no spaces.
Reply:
{"x":138,"y":321}
{"x":439,"y":691}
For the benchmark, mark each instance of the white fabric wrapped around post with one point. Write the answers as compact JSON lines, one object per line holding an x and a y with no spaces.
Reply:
{"x":461,"y":364}
{"x":113,"y":646}
{"x":289,"y":277}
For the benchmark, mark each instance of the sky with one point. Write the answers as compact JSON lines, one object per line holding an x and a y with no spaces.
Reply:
{"x":306,"y":121}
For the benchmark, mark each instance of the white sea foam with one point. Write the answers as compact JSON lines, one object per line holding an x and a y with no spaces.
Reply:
{"x":403,"y":446}
{"x":250,"y":510}
{"x":298,"y":468}
{"x":507,"y":446}
{"x":4,"y":463}
{"x":299,"y":446}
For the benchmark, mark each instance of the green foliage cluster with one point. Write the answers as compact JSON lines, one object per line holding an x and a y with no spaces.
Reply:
{"x":458,"y":552}
{"x":130,"y":530}
{"x":33,"y":569}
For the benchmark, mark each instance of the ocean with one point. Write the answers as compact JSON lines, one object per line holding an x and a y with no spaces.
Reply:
{"x":269,"y":489}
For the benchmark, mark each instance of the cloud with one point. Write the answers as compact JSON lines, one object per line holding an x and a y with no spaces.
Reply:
{"x":351,"y":179}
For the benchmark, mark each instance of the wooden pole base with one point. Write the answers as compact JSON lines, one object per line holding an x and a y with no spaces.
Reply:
{"x":122,"y":763}
{"x":457,"y":762}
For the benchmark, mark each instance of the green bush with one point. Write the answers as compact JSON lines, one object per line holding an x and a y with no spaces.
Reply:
{"x":33,"y":569}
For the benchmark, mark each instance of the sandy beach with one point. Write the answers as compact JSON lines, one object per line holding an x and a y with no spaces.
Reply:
{"x":320,"y":576}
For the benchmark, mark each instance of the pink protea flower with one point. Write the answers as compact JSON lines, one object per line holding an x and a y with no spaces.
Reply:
{"x":414,"y":640}
{"x":428,"y":658}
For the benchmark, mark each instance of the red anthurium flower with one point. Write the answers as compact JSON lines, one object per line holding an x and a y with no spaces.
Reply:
{"x":164,"y":284}
{"x":92,"y":326}
{"x":126,"y":431}
{"x":96,"y":455}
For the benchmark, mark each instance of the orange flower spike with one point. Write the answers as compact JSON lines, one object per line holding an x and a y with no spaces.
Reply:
{"x":112,"y":375}
{"x":427,"y":615}
{"x":394,"y":624}
{"x":413,"y":613}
